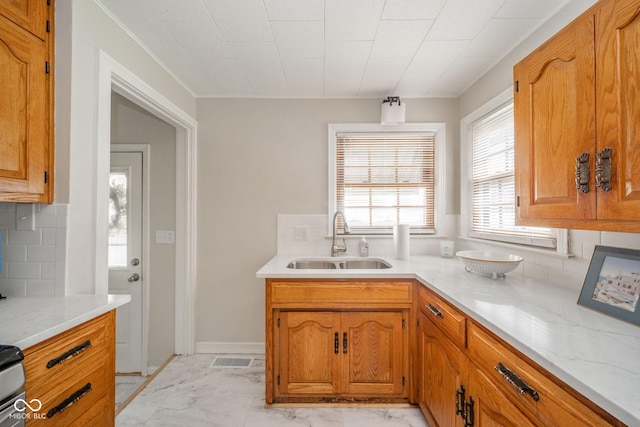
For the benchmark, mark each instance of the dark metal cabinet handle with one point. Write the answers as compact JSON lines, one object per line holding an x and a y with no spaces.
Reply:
{"x":517,"y":382}
{"x":69,"y":354}
{"x":460,"y":401}
{"x":344,"y":343}
{"x":469,"y":417}
{"x":336,"y":343}
{"x":434,"y":310}
{"x":604,"y":169}
{"x":582,"y":173}
{"x":70,"y":400}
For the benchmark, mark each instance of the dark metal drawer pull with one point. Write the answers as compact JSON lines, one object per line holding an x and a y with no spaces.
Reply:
{"x":517,"y":382}
{"x":336,"y":343}
{"x":344,"y":343}
{"x":69,"y":354}
{"x":70,"y":400}
{"x":435,"y":311}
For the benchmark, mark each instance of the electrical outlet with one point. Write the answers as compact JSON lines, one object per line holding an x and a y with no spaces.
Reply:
{"x":301,"y":233}
{"x":25,"y":216}
{"x":165,"y":237}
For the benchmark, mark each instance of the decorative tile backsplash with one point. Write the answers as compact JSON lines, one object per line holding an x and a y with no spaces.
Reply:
{"x":561,"y":270}
{"x":33,"y":262}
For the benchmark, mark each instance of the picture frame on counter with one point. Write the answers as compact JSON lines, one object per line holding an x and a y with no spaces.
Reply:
{"x":612,"y":284}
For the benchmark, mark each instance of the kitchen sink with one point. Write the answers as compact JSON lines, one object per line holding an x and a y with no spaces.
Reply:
{"x":339,"y":264}
{"x":311,"y":264}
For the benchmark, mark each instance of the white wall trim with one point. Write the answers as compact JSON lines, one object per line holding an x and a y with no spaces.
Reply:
{"x":114,"y":77}
{"x":440,"y":129}
{"x":208,"y":347}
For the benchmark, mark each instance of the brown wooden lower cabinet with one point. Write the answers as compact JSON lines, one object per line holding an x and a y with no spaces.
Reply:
{"x":482,"y":381}
{"x":397,"y":341}
{"x":337,"y":341}
{"x":73,"y":376}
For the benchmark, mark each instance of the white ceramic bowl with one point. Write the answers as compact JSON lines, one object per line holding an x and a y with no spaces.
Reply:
{"x":495,"y":264}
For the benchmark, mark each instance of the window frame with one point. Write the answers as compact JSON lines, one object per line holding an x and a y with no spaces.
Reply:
{"x":466,"y":185}
{"x":439,"y":131}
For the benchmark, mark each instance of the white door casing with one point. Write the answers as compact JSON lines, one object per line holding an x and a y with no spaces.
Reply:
{"x":114,"y":77}
{"x":126,"y":257}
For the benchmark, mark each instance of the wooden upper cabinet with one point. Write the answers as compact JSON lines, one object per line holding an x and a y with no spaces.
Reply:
{"x":31,"y":15}
{"x":555,"y":123}
{"x":618,"y":106}
{"x":576,"y":101}
{"x":26,"y":104}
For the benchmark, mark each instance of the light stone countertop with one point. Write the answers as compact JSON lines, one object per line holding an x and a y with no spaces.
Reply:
{"x":25,"y":321}
{"x":597,"y":355}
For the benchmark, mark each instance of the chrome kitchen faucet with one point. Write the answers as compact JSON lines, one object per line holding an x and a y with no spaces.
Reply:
{"x":335,"y":248}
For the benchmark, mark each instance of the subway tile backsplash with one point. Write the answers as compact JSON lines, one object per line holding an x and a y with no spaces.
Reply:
{"x":560,"y":270}
{"x":33,"y":262}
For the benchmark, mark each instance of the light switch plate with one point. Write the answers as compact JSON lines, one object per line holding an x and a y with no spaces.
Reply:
{"x":301,"y":233}
{"x":165,"y":237}
{"x":25,"y":216}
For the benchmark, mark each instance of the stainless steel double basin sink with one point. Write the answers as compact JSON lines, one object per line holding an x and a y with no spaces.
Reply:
{"x":338,"y":264}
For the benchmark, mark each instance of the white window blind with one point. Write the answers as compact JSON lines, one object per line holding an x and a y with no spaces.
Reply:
{"x":386,"y":179}
{"x":493,"y":188}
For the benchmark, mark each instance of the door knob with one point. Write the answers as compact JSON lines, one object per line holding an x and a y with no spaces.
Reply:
{"x":134,"y":277}
{"x":135,"y":262}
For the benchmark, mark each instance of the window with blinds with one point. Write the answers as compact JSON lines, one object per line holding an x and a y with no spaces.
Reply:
{"x":493,"y":188}
{"x":386,"y":179}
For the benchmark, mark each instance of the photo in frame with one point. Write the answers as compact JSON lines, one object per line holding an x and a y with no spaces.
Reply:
{"x":612,"y":284}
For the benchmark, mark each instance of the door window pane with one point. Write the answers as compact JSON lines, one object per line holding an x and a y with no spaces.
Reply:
{"x":118,"y":181}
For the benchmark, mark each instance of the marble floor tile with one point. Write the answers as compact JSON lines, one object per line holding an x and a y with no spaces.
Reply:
{"x":190,"y":392}
{"x":126,"y":385}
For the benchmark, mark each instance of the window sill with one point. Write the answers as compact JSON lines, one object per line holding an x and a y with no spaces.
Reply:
{"x":514,"y":246}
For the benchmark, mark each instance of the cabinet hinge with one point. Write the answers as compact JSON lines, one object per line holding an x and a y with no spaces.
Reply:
{"x":46,"y":177}
{"x":278,"y":379}
{"x":402,"y":323}
{"x":46,"y":67}
{"x":403,"y":380}
{"x":418,"y":322}
{"x":518,"y":201}
{"x":517,"y":86}
{"x":48,"y":2}
{"x":48,"y":26}
{"x":278,"y":322}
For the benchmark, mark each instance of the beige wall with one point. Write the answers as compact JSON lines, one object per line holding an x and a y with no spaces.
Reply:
{"x":258,"y":158}
{"x":82,"y":30}
{"x":131,"y":124}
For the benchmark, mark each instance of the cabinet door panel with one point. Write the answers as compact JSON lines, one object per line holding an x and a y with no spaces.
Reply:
{"x":491,"y":407}
{"x":373,"y":362}
{"x":618,"y":68}
{"x":24,"y":138}
{"x":554,"y":124}
{"x":28,"y":14}
{"x":308,"y":362}
{"x":439,"y":370}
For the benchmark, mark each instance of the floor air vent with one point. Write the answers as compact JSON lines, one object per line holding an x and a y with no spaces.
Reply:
{"x":232,"y":362}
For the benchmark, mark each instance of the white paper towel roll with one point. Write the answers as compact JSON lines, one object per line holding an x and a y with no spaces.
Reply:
{"x":401,"y":241}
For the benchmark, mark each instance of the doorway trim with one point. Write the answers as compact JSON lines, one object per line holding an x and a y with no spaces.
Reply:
{"x":112,"y":76}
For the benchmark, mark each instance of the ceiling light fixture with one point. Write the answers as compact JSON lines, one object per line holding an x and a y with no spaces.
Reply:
{"x":392,"y":111}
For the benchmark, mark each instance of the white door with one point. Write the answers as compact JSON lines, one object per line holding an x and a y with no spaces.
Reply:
{"x":125,"y":256}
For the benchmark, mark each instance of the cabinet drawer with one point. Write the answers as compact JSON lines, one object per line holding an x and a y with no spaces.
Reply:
{"x":340,"y":293}
{"x":544,"y":399}
{"x":68,"y":355}
{"x":443,"y":315}
{"x":81,"y":401}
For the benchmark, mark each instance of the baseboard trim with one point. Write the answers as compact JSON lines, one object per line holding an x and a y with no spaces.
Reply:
{"x":230,"y":347}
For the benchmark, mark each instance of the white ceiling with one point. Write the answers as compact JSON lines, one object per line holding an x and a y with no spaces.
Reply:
{"x":329,"y":48}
